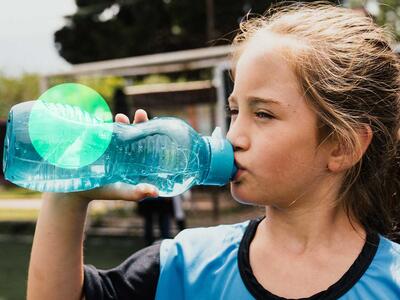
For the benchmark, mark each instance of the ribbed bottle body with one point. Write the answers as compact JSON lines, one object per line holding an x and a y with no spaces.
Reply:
{"x":164,"y":152}
{"x":24,"y":166}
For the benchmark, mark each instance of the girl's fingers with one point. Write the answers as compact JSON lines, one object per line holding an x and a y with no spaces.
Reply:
{"x":137,"y":192}
{"x":121,"y":118}
{"x":140,"y":116}
{"x":122,"y":191}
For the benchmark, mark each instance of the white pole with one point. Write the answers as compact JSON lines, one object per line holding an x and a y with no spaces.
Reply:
{"x":219,"y":84}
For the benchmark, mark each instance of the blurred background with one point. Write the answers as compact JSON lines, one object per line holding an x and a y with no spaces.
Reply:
{"x":170,"y":57}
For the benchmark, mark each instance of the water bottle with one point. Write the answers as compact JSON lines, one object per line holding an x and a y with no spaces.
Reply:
{"x":65,"y":149}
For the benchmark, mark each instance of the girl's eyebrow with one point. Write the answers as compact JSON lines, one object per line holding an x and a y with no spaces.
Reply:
{"x":256,"y":100}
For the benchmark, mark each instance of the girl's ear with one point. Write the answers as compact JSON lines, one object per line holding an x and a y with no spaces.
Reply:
{"x":342,"y":156}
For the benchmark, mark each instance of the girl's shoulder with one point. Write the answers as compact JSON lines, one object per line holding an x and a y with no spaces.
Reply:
{"x":210,"y":245}
{"x":388,"y":251}
{"x":203,"y":263}
{"x":383,"y":274}
{"x":236,"y":230}
{"x":205,"y":240}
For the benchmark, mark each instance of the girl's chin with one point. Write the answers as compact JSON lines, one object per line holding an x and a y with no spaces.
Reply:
{"x":241,"y":195}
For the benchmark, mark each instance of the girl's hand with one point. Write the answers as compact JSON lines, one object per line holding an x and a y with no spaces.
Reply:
{"x":56,"y":264}
{"x":119,"y":191}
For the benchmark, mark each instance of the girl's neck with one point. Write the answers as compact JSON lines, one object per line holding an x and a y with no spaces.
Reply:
{"x":300,"y":230}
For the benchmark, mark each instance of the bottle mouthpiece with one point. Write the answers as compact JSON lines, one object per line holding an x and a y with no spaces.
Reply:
{"x":222,"y":165}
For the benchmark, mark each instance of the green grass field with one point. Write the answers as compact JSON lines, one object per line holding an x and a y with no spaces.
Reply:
{"x":101,"y":252}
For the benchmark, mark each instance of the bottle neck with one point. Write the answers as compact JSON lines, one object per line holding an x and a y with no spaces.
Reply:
{"x":221,"y":162}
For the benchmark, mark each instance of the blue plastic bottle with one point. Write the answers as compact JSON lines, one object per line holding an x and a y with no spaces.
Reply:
{"x":164,"y":152}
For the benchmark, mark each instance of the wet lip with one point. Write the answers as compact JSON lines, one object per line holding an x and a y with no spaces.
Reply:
{"x":239,"y":172}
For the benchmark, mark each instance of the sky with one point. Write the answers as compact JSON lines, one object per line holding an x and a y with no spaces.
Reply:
{"x":26,"y":35}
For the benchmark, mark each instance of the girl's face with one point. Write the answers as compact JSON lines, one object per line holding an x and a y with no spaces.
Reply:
{"x":273,"y":131}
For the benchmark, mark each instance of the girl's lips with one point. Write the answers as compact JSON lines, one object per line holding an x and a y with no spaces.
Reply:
{"x":239,"y":173}
{"x":240,"y":170}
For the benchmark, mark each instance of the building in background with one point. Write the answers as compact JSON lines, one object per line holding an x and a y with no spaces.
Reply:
{"x":201,"y":102}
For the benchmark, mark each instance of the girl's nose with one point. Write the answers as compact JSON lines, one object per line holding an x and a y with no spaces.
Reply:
{"x":238,"y":135}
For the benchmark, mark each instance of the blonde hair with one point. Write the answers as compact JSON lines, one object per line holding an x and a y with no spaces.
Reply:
{"x":350,"y":76}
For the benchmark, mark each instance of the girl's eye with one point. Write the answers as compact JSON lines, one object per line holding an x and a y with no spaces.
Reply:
{"x":233,"y":112}
{"x":264,"y":115}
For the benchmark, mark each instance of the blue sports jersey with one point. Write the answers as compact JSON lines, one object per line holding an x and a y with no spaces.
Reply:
{"x":209,"y":263}
{"x":213,"y":263}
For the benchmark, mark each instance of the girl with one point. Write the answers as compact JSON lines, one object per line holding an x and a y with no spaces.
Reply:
{"x":315,"y":118}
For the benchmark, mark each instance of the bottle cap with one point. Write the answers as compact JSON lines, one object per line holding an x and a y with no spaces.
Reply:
{"x":222,"y":163}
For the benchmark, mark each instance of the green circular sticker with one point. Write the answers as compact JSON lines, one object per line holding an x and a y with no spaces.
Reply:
{"x":70,"y":125}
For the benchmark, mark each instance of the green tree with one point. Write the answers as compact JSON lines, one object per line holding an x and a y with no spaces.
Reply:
{"x":389,"y":15}
{"x":17,"y":89}
{"x":112,"y":29}
{"x":14,"y":90}
{"x":385,"y":12}
{"x":104,"y":85}
{"x":107,"y":29}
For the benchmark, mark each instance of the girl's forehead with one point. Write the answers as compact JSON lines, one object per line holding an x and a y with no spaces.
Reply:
{"x":266,"y":48}
{"x":265,"y":72}
{"x":259,"y":68}
{"x":266,"y":40}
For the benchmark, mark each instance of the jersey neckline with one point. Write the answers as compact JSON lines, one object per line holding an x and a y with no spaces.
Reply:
{"x":336,"y":290}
